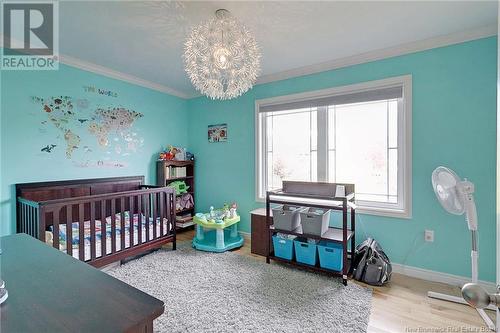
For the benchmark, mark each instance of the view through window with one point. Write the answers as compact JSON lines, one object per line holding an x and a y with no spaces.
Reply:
{"x":354,"y":138}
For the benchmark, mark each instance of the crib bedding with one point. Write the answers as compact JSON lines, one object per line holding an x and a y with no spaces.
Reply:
{"x":98,"y":233}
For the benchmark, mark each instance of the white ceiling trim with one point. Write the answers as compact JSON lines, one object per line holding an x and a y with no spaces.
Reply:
{"x":380,"y":54}
{"x":105,"y":71}
{"x":108,"y":72}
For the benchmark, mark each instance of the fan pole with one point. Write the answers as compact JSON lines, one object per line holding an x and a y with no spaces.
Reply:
{"x":474,"y":256}
{"x":474,"y":263}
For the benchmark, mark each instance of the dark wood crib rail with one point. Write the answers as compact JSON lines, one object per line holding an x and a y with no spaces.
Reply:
{"x":151,"y":204}
{"x":28,"y":217}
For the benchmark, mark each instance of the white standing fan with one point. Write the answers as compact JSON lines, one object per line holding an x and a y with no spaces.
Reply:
{"x":455,"y":195}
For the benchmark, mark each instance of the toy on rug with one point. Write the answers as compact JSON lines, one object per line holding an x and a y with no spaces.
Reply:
{"x":217,"y":230}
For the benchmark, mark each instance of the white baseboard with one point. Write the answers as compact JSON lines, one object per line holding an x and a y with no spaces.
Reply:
{"x":425,"y":274}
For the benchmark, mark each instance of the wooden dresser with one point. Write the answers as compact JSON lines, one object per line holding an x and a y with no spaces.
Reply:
{"x":50,"y":291}
{"x":260,"y":232}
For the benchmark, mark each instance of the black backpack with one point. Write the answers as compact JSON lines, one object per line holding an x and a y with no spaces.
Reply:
{"x":371,"y":265}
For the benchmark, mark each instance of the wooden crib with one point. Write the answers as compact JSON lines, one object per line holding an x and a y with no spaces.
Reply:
{"x":99,"y":221}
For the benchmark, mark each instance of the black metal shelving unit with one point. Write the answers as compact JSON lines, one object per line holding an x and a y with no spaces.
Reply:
{"x":319,"y":195}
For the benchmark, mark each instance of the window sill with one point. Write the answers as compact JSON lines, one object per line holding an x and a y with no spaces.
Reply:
{"x":385,"y":212}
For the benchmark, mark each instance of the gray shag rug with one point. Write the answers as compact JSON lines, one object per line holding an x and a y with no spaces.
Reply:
{"x":229,"y":292}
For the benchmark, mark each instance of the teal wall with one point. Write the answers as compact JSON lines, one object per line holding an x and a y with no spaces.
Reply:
{"x":454,"y":117}
{"x":163,"y":123}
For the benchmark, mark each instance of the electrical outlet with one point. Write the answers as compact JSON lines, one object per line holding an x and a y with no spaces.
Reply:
{"x":429,"y":235}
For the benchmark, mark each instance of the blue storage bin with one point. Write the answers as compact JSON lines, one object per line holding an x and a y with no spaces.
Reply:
{"x":283,"y":247}
{"x":330,"y":255}
{"x":305,"y":252}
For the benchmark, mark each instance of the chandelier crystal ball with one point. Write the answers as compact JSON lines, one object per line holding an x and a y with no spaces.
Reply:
{"x":222,"y":57}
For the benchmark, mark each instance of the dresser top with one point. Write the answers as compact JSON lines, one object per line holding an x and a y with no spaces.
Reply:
{"x":50,"y":291}
{"x":260,"y":212}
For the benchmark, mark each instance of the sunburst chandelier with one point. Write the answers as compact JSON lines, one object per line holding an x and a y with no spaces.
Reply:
{"x":221,"y":57}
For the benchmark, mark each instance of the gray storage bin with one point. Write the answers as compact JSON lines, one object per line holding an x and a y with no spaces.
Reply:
{"x":287,"y":217}
{"x":315,"y":221}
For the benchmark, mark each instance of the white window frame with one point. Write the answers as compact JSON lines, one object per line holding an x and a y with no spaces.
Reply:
{"x":404,"y":207}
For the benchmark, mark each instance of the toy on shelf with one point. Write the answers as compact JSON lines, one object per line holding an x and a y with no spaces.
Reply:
{"x":179,"y":186}
{"x":217,"y":231}
{"x":175,"y":154}
{"x":184,"y":202}
{"x":168,"y":154}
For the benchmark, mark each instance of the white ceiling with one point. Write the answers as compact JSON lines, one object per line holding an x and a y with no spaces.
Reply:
{"x":145,"y":39}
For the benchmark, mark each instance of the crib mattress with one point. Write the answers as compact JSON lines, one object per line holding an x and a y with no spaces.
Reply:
{"x":98,"y":233}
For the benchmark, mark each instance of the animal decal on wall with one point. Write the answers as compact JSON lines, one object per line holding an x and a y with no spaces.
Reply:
{"x":48,"y":148}
{"x":92,"y":135}
{"x":118,"y":120}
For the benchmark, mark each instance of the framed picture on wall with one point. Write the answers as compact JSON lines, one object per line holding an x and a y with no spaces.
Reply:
{"x":217,"y":133}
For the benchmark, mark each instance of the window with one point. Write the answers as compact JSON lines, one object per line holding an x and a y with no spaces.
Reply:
{"x":357,"y":134}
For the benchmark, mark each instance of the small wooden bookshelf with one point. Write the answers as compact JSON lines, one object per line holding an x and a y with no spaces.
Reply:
{"x":170,"y":171}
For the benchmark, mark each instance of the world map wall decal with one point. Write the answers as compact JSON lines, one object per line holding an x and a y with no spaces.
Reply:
{"x":89,"y":134}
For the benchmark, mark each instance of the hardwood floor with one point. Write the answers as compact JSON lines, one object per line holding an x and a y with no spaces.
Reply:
{"x":403,"y":305}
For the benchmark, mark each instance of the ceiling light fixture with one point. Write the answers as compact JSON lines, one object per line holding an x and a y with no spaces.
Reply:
{"x":222,"y":57}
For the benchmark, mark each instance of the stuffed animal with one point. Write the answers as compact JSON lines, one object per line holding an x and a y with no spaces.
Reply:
{"x":169,"y":156}
{"x":49,"y":237}
{"x":179,"y":186}
{"x":186,"y":201}
{"x":169,"y":153}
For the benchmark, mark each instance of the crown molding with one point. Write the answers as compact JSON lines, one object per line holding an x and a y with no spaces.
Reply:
{"x":105,"y":71}
{"x":417,"y":46}
{"x":111,"y":73}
